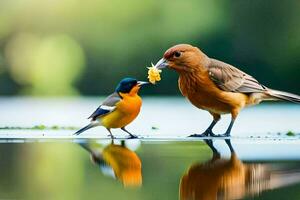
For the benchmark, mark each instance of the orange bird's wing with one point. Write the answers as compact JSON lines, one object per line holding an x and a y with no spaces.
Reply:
{"x":231,"y":79}
{"x":107,"y":106}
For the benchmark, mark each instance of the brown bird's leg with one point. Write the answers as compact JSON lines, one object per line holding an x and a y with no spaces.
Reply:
{"x":216,"y":153}
{"x":234,"y":114}
{"x":131,"y":135}
{"x":208,"y":131}
{"x":111,"y":135}
{"x":228,"y":142}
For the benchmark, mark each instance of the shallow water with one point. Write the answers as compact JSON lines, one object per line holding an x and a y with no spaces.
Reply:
{"x":259,"y":162}
{"x":172,"y":117}
{"x":134,"y":169}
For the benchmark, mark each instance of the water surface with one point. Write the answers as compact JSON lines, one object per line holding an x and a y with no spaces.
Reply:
{"x":259,"y":162}
{"x":164,"y":117}
{"x":134,"y":169}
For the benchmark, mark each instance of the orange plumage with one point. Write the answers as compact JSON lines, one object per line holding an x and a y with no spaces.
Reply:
{"x":215,"y":86}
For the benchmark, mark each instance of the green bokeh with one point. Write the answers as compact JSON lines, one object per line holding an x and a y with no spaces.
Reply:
{"x":86,"y":48}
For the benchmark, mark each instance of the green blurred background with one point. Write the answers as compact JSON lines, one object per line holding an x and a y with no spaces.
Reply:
{"x":73,"y":47}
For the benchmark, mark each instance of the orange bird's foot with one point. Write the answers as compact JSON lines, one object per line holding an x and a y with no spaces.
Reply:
{"x":132,"y":136}
{"x":112,"y":137}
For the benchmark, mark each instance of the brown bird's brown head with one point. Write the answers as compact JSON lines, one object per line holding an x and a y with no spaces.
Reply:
{"x":182,"y":58}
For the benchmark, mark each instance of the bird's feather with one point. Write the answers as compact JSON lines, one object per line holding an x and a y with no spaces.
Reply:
{"x":91,"y":125}
{"x":108,"y":106}
{"x":284,"y":96}
{"x":231,"y":79}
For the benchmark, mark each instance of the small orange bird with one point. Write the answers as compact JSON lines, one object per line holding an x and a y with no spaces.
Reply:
{"x":216,"y":86}
{"x":119,"y":109}
{"x":117,"y":161}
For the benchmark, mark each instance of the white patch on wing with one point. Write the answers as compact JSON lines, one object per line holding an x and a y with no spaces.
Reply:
{"x":107,"y":171}
{"x":96,"y":122}
{"x":110,"y":108}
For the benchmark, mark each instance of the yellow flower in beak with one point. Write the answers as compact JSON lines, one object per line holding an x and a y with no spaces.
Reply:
{"x":153,"y":74}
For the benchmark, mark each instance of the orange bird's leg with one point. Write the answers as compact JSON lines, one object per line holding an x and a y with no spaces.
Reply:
{"x":110,"y":134}
{"x":208,"y":131}
{"x":131,"y":135}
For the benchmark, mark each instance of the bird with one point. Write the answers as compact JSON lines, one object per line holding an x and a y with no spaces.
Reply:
{"x":119,"y":109}
{"x":216,"y":86}
{"x":231,"y":178}
{"x":116,"y":161}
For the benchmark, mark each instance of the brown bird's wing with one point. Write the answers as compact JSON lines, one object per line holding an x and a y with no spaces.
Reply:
{"x":231,"y":79}
{"x":107,"y":106}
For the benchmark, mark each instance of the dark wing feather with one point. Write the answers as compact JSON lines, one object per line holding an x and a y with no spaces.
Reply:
{"x":98,"y":112}
{"x":231,"y":79}
{"x":107,"y":106}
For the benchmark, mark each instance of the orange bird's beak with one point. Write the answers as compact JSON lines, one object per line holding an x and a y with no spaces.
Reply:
{"x":141,"y":83}
{"x":161,"y":64}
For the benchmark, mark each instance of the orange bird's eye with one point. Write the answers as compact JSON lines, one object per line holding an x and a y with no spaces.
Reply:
{"x":177,"y":54}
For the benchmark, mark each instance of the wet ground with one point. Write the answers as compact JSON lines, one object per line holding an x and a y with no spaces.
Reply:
{"x":260,"y":161}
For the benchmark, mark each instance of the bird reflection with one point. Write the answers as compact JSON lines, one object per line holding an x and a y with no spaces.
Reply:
{"x":117,"y":161}
{"x":221,"y":178}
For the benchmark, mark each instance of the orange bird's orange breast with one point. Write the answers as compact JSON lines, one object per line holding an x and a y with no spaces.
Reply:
{"x":126,"y":111}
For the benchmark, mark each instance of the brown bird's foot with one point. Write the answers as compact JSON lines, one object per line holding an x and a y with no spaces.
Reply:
{"x":222,"y":135}
{"x":208,"y":131}
{"x":205,"y":134}
{"x":199,"y":135}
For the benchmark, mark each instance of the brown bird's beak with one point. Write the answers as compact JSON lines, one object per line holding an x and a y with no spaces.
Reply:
{"x":141,"y":83}
{"x":162,"y":63}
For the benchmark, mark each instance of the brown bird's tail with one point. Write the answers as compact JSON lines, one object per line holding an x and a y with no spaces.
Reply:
{"x":285,"y":96}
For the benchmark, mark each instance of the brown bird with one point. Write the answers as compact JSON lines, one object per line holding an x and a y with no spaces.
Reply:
{"x":231,"y":178}
{"x":221,"y":178}
{"x":216,"y":86}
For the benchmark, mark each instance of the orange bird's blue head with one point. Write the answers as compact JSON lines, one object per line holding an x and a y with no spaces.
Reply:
{"x":129,"y":85}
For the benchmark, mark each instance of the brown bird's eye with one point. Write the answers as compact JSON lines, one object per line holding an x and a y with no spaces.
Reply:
{"x":177,"y":54}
